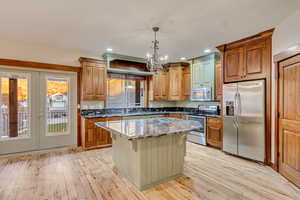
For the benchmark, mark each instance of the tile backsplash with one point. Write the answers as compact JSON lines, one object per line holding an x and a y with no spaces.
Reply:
{"x":191,"y":104}
{"x":92,"y":105}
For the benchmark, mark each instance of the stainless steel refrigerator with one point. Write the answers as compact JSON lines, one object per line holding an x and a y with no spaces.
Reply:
{"x":244,"y":119}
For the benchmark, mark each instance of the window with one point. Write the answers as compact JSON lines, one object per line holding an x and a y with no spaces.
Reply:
{"x":125,"y":91}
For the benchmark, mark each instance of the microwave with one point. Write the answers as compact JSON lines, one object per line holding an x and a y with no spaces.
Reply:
{"x":201,"y":94}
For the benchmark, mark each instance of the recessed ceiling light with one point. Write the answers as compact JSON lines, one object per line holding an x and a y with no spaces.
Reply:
{"x":183,"y":58}
{"x":109,"y":50}
{"x":207,"y":51}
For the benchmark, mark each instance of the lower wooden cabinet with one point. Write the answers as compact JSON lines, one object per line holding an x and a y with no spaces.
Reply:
{"x":93,"y":137}
{"x":214,"y":132}
{"x":175,"y":115}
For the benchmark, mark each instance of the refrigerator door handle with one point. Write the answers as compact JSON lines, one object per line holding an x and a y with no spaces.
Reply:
{"x":239,"y":104}
{"x":235,"y":122}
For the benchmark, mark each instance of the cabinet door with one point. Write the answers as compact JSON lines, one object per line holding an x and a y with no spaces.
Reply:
{"x":214,"y":132}
{"x":87,"y":82}
{"x":175,"y":80}
{"x":219,"y":82}
{"x":186,"y":83}
{"x":214,"y":136}
{"x":196,"y":68}
{"x":102,"y":136}
{"x":156,"y":88}
{"x":234,"y":65}
{"x":93,"y":82}
{"x":90,"y":138}
{"x":163,"y":85}
{"x":256,"y":56}
{"x":99,"y":82}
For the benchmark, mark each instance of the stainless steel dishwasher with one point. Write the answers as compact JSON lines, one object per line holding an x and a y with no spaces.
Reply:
{"x":198,"y":136}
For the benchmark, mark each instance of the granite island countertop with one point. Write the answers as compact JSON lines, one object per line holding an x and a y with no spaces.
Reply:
{"x":140,"y":128}
{"x":123,"y":112}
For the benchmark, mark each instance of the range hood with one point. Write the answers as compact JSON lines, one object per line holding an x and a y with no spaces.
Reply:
{"x":109,"y":57}
{"x":133,"y":72}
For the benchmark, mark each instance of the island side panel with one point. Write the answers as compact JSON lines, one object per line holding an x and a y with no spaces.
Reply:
{"x":161,"y":159}
{"x":149,"y":161}
{"x":125,"y":157}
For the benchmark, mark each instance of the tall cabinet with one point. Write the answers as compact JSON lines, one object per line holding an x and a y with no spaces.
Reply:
{"x":250,"y":59}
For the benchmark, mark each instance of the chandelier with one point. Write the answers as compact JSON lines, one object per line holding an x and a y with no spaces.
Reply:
{"x":154,"y":61}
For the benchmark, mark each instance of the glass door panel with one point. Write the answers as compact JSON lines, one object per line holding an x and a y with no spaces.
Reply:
{"x":57,"y":106}
{"x":14,"y":106}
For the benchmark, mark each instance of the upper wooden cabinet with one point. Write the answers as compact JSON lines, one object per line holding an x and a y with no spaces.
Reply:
{"x":219,"y":81}
{"x":160,"y":85}
{"x":172,"y":84}
{"x":175,"y":83}
{"x":186,"y":83}
{"x":234,"y":64}
{"x":247,"y":59}
{"x":93,"y":79}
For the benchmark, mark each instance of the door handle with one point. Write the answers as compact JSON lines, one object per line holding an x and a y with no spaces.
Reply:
{"x":235,"y":111}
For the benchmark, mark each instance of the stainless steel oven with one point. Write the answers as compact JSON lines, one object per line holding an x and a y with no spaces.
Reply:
{"x":198,"y":136}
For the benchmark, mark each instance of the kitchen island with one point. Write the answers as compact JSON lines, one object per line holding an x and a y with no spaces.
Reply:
{"x":149,"y":151}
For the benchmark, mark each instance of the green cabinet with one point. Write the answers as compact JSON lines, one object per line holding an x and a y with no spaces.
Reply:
{"x":203,"y":72}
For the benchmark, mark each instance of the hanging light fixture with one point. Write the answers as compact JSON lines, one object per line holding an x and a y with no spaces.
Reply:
{"x":154,"y":61}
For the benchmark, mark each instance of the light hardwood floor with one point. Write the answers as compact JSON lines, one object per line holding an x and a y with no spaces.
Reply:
{"x":209,"y":174}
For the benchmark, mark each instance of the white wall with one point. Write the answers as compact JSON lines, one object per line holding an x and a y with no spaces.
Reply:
{"x":286,"y":35}
{"x":40,"y":53}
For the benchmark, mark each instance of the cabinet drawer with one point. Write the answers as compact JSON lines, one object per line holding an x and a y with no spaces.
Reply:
{"x":214,"y":122}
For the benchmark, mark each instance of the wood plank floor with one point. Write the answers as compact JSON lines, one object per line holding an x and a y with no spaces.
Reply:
{"x":209,"y":175}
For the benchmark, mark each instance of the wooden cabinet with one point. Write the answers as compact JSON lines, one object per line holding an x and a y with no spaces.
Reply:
{"x":172,"y":84}
{"x":175,"y":83}
{"x":94,"y":137}
{"x":93,"y":79}
{"x":256,"y":59}
{"x":219,"y":81}
{"x":234,"y":65}
{"x":160,"y":85}
{"x":214,"y":132}
{"x":186,"y":89}
{"x":247,"y":59}
{"x":175,"y":115}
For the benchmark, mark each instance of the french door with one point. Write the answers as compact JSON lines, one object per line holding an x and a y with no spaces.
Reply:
{"x":37,"y":110}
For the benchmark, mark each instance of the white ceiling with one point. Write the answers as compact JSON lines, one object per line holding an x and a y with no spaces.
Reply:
{"x":187,"y":27}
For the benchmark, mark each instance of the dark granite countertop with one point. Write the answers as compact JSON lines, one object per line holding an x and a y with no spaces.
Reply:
{"x":89,"y":114}
{"x":141,"y":128}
